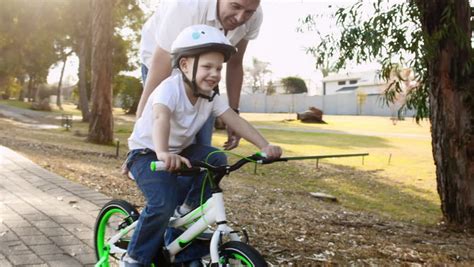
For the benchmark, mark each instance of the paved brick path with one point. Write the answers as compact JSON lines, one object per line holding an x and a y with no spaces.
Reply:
{"x":45,"y":219}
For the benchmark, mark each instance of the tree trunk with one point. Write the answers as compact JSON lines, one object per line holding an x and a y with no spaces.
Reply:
{"x":83,"y":100}
{"x":4,"y":83}
{"x":58,"y":98}
{"x":21,"y":94}
{"x":101,"y":120}
{"x":37,"y":95}
{"x":29,"y":94}
{"x":21,"y":81}
{"x":451,"y":99}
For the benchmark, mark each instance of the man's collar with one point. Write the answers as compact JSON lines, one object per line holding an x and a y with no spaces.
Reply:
{"x":212,"y":10}
{"x":212,"y":14}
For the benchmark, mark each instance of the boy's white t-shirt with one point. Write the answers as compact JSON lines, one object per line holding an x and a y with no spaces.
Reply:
{"x":172,"y":16}
{"x":186,"y":119}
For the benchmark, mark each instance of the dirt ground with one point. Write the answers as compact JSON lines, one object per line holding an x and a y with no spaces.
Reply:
{"x":288,"y":227}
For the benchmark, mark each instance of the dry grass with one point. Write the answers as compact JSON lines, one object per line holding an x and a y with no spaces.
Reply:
{"x":385,"y":214}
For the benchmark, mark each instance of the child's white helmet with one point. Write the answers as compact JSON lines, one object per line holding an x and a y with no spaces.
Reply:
{"x":194,"y":41}
{"x":198,"y":39}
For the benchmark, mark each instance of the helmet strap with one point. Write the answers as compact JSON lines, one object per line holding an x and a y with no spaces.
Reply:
{"x":210,"y":98}
{"x":195,"y":68}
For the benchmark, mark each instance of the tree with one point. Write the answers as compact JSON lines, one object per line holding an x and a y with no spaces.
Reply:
{"x":127,"y":18}
{"x":34,"y":37}
{"x":256,"y":75}
{"x":311,"y":23}
{"x":129,"y":89}
{"x":29,"y":34}
{"x":83,"y":51}
{"x":271,"y":88}
{"x":10,"y":55}
{"x":433,"y":37}
{"x":79,"y":28}
{"x":58,"y":91}
{"x":101,"y":119}
{"x":294,"y":85}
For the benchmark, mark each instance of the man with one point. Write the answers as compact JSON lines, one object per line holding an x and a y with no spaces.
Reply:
{"x":239,"y":20}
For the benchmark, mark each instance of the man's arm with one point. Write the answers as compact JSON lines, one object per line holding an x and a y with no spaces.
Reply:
{"x":160,"y":69}
{"x":243,"y":128}
{"x":235,"y":75}
{"x":234,"y":79}
{"x":249,"y":133}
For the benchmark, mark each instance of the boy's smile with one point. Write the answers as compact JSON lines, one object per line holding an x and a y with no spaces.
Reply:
{"x":211,"y":82}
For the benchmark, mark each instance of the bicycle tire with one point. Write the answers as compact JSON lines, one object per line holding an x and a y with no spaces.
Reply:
{"x":235,"y":253}
{"x":114,"y":216}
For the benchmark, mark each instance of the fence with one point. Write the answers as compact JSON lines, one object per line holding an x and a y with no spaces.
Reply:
{"x":338,"y":104}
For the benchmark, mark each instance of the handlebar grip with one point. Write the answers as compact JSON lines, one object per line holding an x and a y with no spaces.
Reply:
{"x":157,"y":166}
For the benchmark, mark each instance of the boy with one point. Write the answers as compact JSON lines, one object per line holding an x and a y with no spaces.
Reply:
{"x":172,"y":116}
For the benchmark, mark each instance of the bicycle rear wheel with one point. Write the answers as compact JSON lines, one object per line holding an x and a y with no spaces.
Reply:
{"x":235,"y":253}
{"x":112,"y":218}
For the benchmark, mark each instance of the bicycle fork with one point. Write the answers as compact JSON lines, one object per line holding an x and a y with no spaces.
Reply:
{"x":222,"y":229}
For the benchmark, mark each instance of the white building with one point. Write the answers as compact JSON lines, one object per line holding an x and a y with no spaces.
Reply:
{"x":346,"y":83}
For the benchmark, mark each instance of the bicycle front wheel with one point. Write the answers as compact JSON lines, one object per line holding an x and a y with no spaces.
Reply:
{"x":235,"y":253}
{"x":113,"y":217}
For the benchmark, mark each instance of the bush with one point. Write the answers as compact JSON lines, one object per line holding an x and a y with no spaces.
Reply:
{"x":46,"y":90}
{"x":43,"y":105}
{"x":9,"y":88}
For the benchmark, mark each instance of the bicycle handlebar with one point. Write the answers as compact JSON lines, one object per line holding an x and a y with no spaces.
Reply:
{"x":199,"y":166}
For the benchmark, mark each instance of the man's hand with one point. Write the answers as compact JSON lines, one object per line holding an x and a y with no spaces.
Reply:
{"x":232,"y":139}
{"x":273,"y":152}
{"x":172,"y":161}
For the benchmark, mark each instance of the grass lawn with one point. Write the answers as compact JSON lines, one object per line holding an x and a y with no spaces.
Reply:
{"x":67,"y":108}
{"x":397,"y":179}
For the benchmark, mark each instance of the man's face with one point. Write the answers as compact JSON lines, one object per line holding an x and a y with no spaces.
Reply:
{"x":233,"y":13}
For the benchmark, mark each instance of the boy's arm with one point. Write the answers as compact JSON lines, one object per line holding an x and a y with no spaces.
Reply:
{"x":249,"y":133}
{"x":161,"y":134}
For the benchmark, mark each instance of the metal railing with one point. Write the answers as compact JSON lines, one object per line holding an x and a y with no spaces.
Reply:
{"x":318,"y":157}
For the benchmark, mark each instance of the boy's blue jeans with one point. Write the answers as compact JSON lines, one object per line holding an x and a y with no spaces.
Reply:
{"x":163,"y":191}
{"x":204,"y":136}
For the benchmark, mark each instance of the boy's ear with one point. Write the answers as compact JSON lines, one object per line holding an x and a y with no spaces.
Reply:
{"x":184,"y":64}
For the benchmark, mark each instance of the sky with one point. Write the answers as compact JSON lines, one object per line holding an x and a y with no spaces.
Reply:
{"x":278,"y":42}
{"x":281,"y":45}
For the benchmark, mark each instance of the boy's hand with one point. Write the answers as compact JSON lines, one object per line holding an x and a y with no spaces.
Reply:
{"x":172,"y":161}
{"x":273,"y":152}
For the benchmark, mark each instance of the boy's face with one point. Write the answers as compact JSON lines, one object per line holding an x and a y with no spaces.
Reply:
{"x":233,"y":13}
{"x":208,"y":72}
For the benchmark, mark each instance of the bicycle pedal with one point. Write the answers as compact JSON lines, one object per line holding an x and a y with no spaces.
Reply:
{"x":163,"y":259}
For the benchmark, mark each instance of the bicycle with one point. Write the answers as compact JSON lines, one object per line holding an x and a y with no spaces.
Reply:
{"x":111,"y":243}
